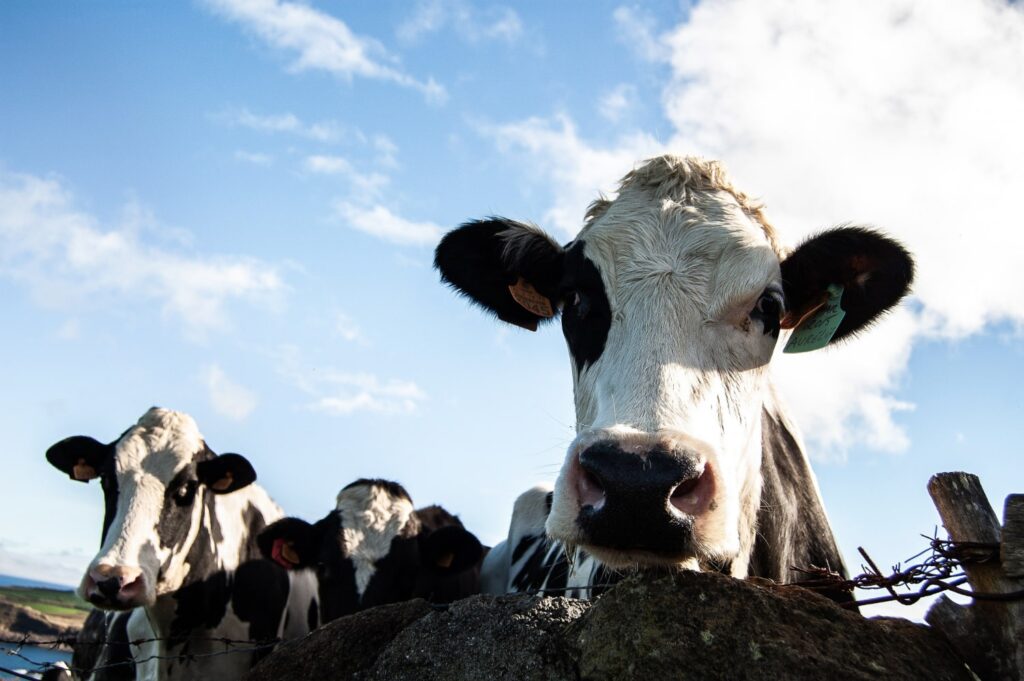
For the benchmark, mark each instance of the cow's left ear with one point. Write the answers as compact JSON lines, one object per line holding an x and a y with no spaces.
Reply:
{"x":509,"y":268}
{"x":864,"y":271}
{"x":81,"y":457}
{"x":226,"y":473}
{"x":450,"y":549}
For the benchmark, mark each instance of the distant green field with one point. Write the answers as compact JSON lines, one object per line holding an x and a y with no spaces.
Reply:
{"x":48,"y":601}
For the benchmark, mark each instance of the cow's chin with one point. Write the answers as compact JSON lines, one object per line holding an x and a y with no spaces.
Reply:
{"x":640,"y":560}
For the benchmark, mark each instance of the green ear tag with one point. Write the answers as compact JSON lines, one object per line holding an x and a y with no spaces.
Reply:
{"x":817,"y":331}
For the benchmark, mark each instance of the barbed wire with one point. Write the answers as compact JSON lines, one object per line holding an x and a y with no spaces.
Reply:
{"x":942,"y":570}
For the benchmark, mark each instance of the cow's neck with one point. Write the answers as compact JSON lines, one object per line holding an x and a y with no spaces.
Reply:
{"x":791,"y":529}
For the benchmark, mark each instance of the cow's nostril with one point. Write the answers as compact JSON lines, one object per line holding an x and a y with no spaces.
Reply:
{"x":591,"y":491}
{"x":109,"y":587}
{"x":691,"y":496}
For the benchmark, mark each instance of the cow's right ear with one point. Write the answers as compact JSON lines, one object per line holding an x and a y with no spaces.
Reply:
{"x":81,"y":457}
{"x":506,"y":267}
{"x":290,"y":542}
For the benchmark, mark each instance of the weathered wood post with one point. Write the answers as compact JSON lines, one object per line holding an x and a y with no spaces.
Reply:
{"x":988,"y":634}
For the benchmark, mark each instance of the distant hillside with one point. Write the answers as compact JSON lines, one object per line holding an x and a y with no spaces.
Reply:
{"x":40,"y":613}
{"x":10,"y":580}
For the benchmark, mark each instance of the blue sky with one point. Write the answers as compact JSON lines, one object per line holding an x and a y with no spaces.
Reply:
{"x":228,"y":207}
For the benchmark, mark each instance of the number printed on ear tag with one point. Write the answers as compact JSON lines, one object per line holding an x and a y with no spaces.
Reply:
{"x":817,"y":331}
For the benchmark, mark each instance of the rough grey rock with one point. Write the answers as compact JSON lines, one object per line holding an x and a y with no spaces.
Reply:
{"x":679,"y":626}
{"x":508,"y":638}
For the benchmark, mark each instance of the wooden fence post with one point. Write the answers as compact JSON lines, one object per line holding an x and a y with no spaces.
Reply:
{"x":988,"y":634}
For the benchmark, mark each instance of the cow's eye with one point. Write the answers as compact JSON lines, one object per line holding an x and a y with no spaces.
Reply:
{"x":184,"y":493}
{"x":579,"y":304}
{"x":769,"y":310}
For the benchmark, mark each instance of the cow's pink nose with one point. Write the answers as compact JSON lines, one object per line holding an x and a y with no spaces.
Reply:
{"x":115,"y":585}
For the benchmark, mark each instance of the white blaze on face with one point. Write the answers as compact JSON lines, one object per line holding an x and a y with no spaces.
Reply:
{"x":146,"y":460}
{"x":371,"y":517}
{"x":683,"y":260}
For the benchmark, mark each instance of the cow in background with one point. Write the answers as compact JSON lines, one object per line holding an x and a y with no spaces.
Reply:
{"x":178,"y":550}
{"x":375,"y":548}
{"x":672,"y":298}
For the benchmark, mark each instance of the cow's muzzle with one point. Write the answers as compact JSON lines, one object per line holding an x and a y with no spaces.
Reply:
{"x":114,"y":587}
{"x":641,"y":501}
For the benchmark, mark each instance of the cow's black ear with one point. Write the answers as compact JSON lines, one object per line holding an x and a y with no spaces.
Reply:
{"x":450,"y":549}
{"x":870,"y":271}
{"x":81,"y":457}
{"x":289,"y":542}
{"x":226,"y":473}
{"x":506,"y":267}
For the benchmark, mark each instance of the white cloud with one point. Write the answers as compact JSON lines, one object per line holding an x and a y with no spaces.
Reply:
{"x":321,"y":131}
{"x":342,"y":393}
{"x":57,"y":566}
{"x":71,"y":330}
{"x":575,"y":170}
{"x":380,"y":222}
{"x":328,"y":165}
{"x":905,"y":115}
{"x":227,"y":397}
{"x":255,"y":158}
{"x":365,"y":186}
{"x":67,"y":260}
{"x":321,"y":42}
{"x":616,"y":103}
{"x":470,"y":23}
{"x":348,"y":329}
{"x":638,"y":32}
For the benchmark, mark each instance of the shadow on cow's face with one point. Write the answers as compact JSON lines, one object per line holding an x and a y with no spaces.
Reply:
{"x":672,"y":299}
{"x":156,"y":478}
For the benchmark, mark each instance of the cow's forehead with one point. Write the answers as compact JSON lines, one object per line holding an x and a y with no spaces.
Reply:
{"x":159,"y":445}
{"x":670,"y":196}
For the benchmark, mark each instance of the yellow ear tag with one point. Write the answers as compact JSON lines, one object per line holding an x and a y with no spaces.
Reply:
{"x":817,"y":330}
{"x":83,"y":471}
{"x":224,"y":483}
{"x":289,"y":554}
{"x":531,"y":299}
{"x":445,"y":560}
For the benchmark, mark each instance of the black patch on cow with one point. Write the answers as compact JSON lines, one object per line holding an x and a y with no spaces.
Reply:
{"x":522,"y":547}
{"x":792,"y":528}
{"x":482,"y":258}
{"x":335,"y":572}
{"x":875,"y":271}
{"x":449,"y":564}
{"x":392,"y":488}
{"x":394,"y":577}
{"x":533,"y":572}
{"x":435,"y":517}
{"x":108,"y":481}
{"x":259,"y":594}
{"x":635,"y":515}
{"x":254,"y":524}
{"x":103,"y":642}
{"x":312,"y":615}
{"x":586,"y":313}
{"x":176,"y":514}
{"x":200,"y":604}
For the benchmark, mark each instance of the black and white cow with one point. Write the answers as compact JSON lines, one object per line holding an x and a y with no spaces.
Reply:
{"x":178,"y":550}
{"x":374,"y":548}
{"x":672,"y":298}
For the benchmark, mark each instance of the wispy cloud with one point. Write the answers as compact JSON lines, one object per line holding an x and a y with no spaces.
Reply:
{"x":365,"y":185}
{"x":341,"y":393}
{"x":58,"y":566}
{"x":227,"y":397}
{"x":254,"y":158}
{"x":67,"y":260}
{"x":320,"y":131}
{"x":379,"y":221}
{"x":321,"y":42}
{"x":618,"y":102}
{"x":638,"y":31}
{"x":347,"y":329}
{"x":575,"y":170}
{"x":470,"y":23}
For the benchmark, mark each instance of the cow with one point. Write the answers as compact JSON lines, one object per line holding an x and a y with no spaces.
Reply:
{"x":101,"y":651}
{"x":374,"y":548}
{"x":178,"y":551}
{"x":672,"y":298}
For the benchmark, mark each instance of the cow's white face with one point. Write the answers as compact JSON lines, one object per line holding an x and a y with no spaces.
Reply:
{"x":158,"y":479}
{"x":686,"y":293}
{"x":672,"y":299}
